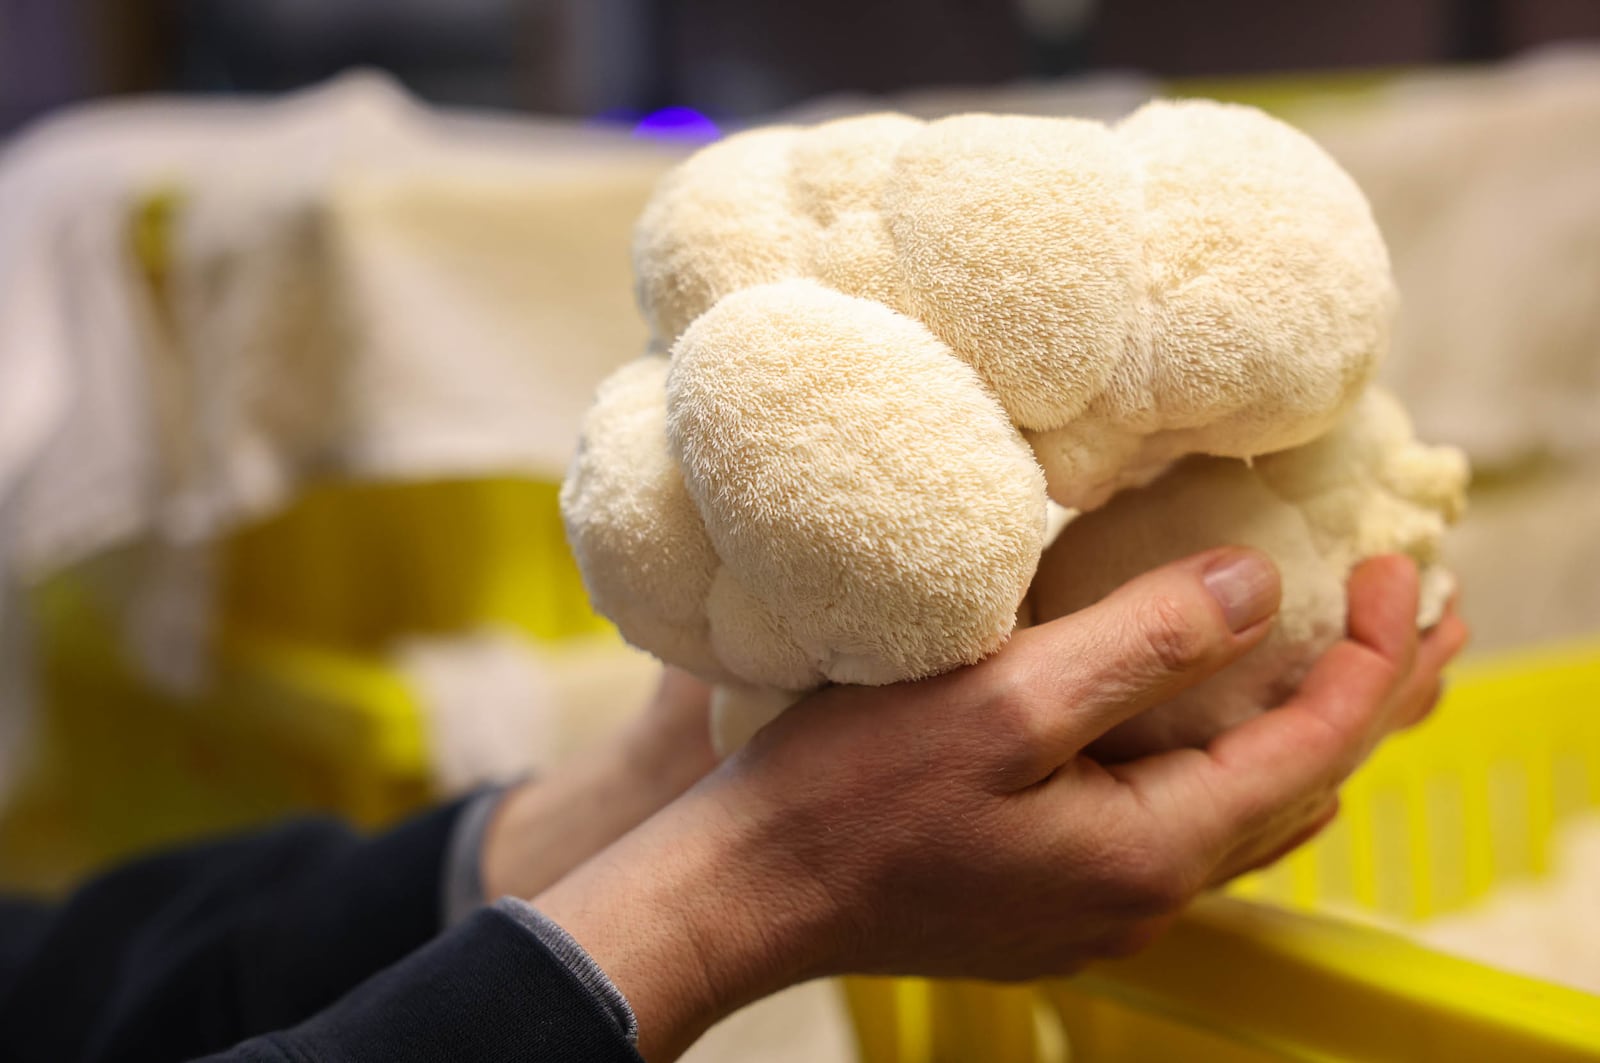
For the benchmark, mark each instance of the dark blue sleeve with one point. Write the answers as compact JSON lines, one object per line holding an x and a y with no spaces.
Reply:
{"x":192,"y":951}
{"x":487,"y":990}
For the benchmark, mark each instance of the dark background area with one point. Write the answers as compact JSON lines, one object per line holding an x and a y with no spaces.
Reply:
{"x":732,"y":58}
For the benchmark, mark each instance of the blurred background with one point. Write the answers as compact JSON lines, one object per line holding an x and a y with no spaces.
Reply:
{"x":300,"y":301}
{"x":723,"y":57}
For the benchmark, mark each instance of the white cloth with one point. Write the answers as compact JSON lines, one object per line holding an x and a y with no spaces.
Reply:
{"x":497,"y":707}
{"x":347,"y":284}
{"x":1487,"y":188}
{"x":353,"y":285}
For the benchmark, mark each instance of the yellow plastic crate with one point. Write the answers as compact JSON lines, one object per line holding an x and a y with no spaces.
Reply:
{"x":302,"y":709}
{"x":1440,"y":817}
{"x":353,"y":566}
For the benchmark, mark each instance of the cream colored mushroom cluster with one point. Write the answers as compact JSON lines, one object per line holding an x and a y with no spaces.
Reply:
{"x":880,"y":344}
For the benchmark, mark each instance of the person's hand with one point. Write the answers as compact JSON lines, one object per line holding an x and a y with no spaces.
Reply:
{"x":954,"y":827}
{"x":548,"y":826}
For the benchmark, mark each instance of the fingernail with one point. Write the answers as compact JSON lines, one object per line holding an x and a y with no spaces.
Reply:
{"x":1245,"y":584}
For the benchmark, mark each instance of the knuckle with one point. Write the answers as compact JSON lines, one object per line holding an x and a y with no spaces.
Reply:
{"x":1162,"y":894}
{"x":1331,"y":737}
{"x":1394,"y":672}
{"x":1014,"y":705}
{"x":1248,"y":811}
{"x":1172,"y":636}
{"x":1151,"y":883}
{"x":1424,"y":705}
{"x":1336,"y":754}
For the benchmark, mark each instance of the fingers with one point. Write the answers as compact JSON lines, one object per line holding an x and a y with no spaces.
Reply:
{"x":1415,"y":697}
{"x":1269,"y":785}
{"x":1148,"y":640}
{"x":1328,"y":727}
{"x":1383,"y":593}
{"x":1303,"y":750}
{"x":1263,"y":852}
{"x":1421,"y":689}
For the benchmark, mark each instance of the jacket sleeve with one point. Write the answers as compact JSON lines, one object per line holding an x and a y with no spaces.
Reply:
{"x":489,"y":989}
{"x":191,"y":951}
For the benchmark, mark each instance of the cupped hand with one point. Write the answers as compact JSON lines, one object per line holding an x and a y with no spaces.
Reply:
{"x":956,"y":827}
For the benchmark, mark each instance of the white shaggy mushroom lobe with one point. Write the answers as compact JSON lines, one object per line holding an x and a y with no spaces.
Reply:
{"x":890,"y":339}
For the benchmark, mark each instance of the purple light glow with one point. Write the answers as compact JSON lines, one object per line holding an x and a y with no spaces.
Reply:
{"x":677,"y":123}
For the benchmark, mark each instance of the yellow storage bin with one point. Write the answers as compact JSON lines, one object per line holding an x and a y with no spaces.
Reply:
{"x":354,"y":566}
{"x":1440,"y":817}
{"x":302,"y":709}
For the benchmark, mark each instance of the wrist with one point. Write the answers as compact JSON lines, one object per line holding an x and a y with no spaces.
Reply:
{"x":691,"y":918}
{"x":660,"y":770}
{"x":668,"y":746}
{"x":544,"y":828}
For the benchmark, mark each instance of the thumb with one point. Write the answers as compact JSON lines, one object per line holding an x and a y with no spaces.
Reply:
{"x":1148,"y":640}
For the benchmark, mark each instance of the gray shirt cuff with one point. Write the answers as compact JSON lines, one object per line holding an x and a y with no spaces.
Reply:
{"x":461,"y":891}
{"x":462,"y":894}
{"x":576,"y":958}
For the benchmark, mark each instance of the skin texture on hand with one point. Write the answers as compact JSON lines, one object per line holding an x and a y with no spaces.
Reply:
{"x":955,"y":827}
